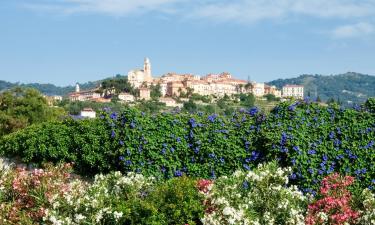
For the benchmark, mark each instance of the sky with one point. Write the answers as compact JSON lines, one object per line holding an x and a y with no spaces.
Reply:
{"x":67,"y":41}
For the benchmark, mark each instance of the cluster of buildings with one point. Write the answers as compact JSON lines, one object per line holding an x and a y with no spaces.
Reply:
{"x":173,"y":85}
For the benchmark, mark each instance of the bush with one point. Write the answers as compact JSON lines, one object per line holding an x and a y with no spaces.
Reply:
{"x":255,"y":197}
{"x":313,"y":140}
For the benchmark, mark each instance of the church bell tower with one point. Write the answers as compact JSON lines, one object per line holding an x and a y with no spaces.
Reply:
{"x":147,"y":68}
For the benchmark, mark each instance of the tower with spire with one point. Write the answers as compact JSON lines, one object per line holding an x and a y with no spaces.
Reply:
{"x":77,"y":88}
{"x":147,"y":69}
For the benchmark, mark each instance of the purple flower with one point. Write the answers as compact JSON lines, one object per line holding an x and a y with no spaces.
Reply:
{"x":247,"y":167}
{"x":192,"y":123}
{"x":311,"y":152}
{"x":113,"y":116}
{"x":128,"y":162}
{"x":253,"y":111}
{"x":121,"y":143}
{"x":245,"y":185}
{"x":212,"y":118}
{"x":177,"y":173}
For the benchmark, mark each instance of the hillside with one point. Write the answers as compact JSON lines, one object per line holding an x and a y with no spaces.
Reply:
{"x":352,"y":87}
{"x":51,"y":89}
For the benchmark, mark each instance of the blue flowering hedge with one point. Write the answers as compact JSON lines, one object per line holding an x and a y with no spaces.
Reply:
{"x":313,"y":139}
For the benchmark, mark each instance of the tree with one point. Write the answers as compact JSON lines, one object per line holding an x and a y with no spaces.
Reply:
{"x":247,"y":100}
{"x":155,"y":91}
{"x":271,"y":97}
{"x":190,"y":106}
{"x":20,"y":107}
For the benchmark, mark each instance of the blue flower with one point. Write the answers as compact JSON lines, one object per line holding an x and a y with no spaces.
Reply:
{"x":293,"y":176}
{"x":196,"y":150}
{"x":222,"y":160}
{"x":331,"y":135}
{"x":177,"y":173}
{"x":128,"y":162}
{"x":211,"y":155}
{"x":245,"y":185}
{"x":311,"y":152}
{"x":121,"y":158}
{"x":254,"y":155}
{"x":113,"y":134}
{"x":325,"y":157}
{"x":212,"y":118}
{"x":178,"y":139}
{"x":121,"y":142}
{"x":253,"y":111}
{"x":247,"y":167}
{"x":132,"y":125}
{"x":192,"y":122}
{"x":113,"y":116}
{"x":311,"y":170}
{"x":296,"y":148}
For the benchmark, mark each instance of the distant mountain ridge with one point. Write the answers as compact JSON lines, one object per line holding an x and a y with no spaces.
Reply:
{"x":51,"y":89}
{"x":350,"y":87}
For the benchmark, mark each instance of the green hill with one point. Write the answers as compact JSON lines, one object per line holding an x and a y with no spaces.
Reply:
{"x":51,"y":89}
{"x":348,"y":87}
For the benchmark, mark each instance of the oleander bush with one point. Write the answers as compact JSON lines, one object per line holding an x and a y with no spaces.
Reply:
{"x":261,"y":196}
{"x":52,"y":196}
{"x":313,"y":140}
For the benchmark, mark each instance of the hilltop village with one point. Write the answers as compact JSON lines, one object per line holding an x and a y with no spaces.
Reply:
{"x":173,"y":85}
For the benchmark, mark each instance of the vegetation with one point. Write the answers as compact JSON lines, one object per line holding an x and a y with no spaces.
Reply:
{"x":312,"y":139}
{"x":21,"y":107}
{"x":350,"y":87}
{"x":262,"y":196}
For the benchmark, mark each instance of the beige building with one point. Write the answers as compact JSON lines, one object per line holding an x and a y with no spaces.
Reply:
{"x":144,"y":93}
{"x":172,"y":84}
{"x":88,"y":113}
{"x":126,"y":97}
{"x":139,"y":77}
{"x":295,"y":91}
{"x":258,"y":89}
{"x":272,"y":90}
{"x":88,"y":95}
{"x":170,"y":102}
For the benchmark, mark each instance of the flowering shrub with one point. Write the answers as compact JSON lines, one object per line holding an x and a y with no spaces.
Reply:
{"x":27,"y":194}
{"x":335,"y":205}
{"x":254,"y":197}
{"x":368,"y":212}
{"x":313,"y":140}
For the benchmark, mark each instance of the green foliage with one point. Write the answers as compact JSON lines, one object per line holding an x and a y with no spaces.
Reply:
{"x":370,"y":105}
{"x":271,"y":97}
{"x":317,"y":141}
{"x":155,"y":91}
{"x":352,"y":87}
{"x":190,"y":106}
{"x":177,"y":201}
{"x":247,"y":100}
{"x":22,"y":107}
{"x":314,"y":140}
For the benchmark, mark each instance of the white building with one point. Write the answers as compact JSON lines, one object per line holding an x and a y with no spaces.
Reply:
{"x":295,"y":91}
{"x":88,"y":113}
{"x":126,"y":97}
{"x":170,"y":102}
{"x":258,"y":89}
{"x":138,"y":77}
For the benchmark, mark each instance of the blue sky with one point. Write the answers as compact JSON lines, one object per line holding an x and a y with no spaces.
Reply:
{"x":68,"y":41}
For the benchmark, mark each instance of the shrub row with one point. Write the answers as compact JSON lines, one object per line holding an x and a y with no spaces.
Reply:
{"x":314,"y":140}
